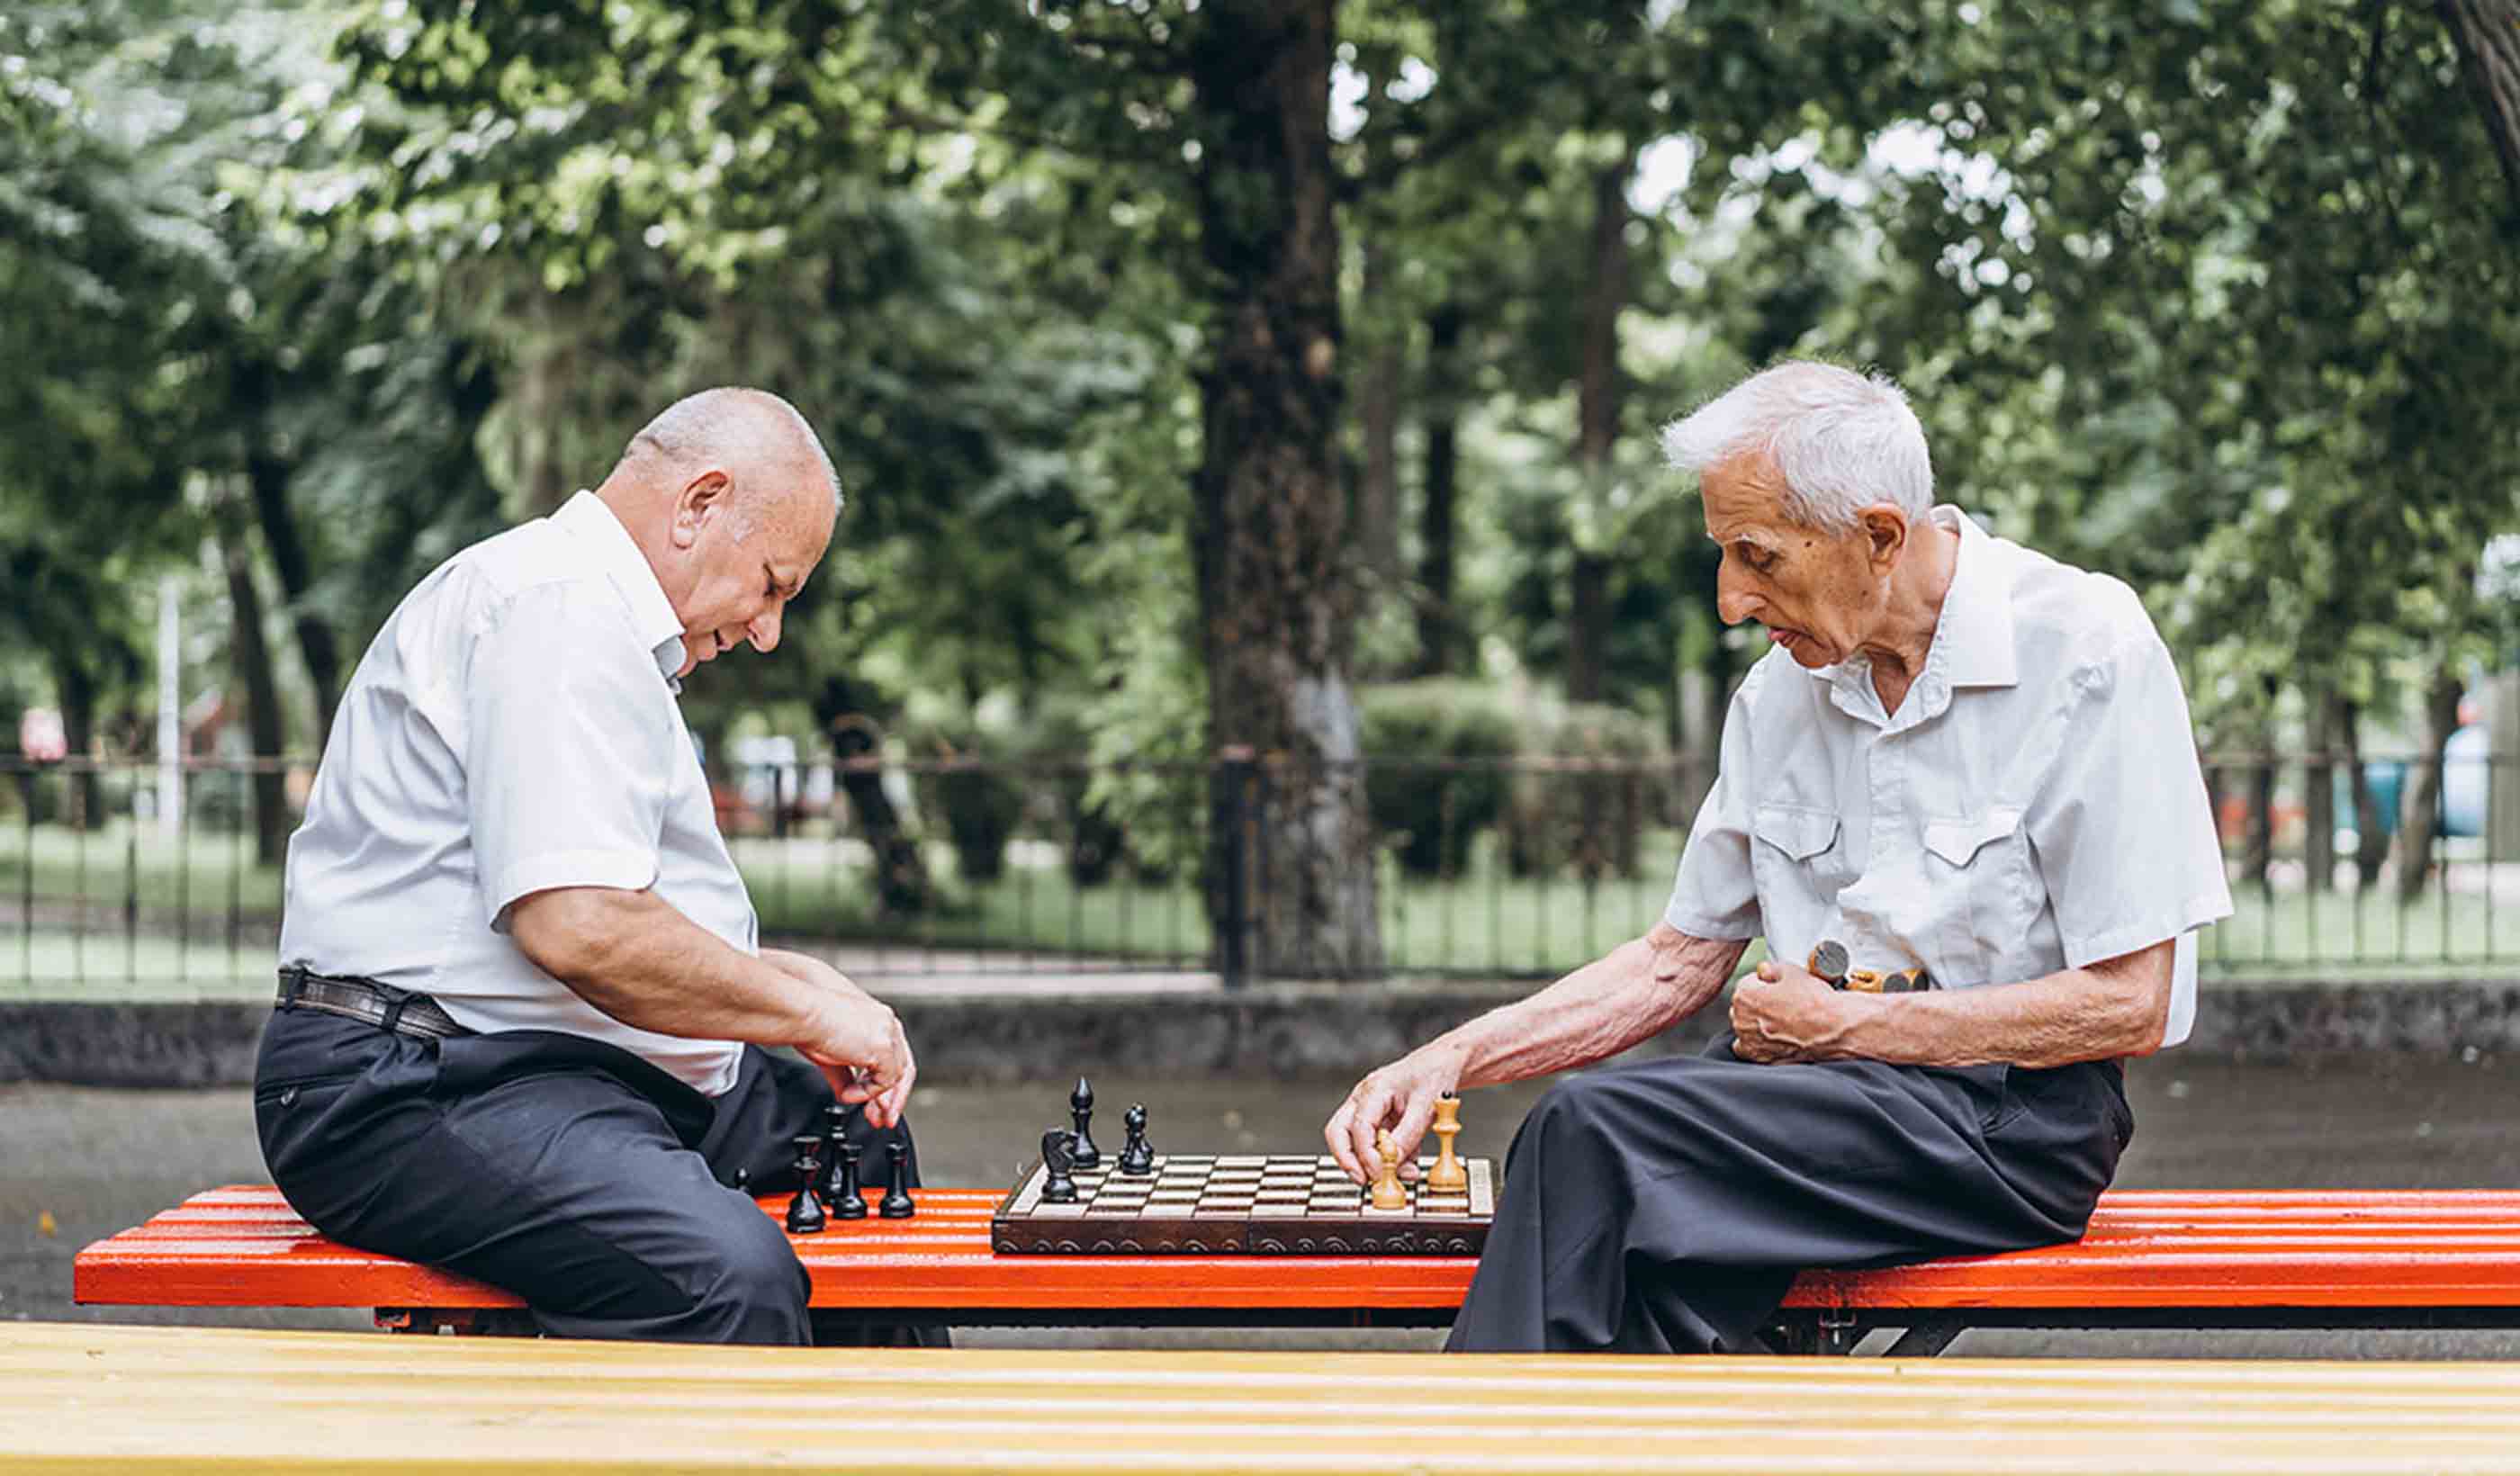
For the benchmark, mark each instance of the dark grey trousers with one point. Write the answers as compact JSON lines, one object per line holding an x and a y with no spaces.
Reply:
{"x":1665,"y":1207}
{"x":570,"y":1172}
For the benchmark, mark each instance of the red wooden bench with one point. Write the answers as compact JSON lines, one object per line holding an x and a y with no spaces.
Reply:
{"x":2213,"y":1258}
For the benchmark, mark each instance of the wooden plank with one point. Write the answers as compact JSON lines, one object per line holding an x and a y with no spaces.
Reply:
{"x":128,"y":1398}
{"x":241,"y":1246}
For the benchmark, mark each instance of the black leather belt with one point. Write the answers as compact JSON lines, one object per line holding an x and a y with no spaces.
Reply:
{"x":382,"y":1004}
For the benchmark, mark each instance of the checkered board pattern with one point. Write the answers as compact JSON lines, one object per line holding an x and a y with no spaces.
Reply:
{"x":1229,"y":1204}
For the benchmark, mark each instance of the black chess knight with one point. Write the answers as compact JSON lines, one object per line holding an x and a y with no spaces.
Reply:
{"x":1059,"y":1157}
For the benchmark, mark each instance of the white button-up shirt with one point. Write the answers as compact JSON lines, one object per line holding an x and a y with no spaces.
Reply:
{"x":2034,"y":805}
{"x":513,"y":728}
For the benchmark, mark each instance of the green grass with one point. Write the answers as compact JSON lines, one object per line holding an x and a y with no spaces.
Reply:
{"x":1485,"y":923}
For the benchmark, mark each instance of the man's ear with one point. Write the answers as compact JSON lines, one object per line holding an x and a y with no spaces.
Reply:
{"x":692,"y":505}
{"x":1885,"y":534}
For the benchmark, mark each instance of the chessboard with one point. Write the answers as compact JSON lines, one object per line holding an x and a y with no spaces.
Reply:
{"x":1272,"y":1204}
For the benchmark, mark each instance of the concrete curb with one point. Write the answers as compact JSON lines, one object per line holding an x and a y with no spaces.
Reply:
{"x":1275,"y":1030}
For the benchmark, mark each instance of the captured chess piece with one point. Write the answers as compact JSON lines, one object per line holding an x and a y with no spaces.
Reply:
{"x":1827,"y":961}
{"x":1388,"y":1194}
{"x":897,"y":1203}
{"x":1448,"y":1177}
{"x":1059,"y":1158}
{"x":848,"y":1201}
{"x":805,"y":1212}
{"x":1080,"y":1104}
{"x":1137,"y":1160}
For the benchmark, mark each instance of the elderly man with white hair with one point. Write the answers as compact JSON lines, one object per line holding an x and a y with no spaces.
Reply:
{"x":1960,"y":756}
{"x":523,"y":1004}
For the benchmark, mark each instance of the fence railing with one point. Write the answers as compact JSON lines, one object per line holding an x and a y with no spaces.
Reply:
{"x":959,"y":870}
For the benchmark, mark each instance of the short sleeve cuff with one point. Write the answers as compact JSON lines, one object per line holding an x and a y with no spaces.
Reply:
{"x":625,"y":870}
{"x":2083,"y":950}
{"x":1699,"y":925}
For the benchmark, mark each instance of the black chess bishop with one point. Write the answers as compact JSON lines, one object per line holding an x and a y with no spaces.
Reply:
{"x":1080,"y":1105}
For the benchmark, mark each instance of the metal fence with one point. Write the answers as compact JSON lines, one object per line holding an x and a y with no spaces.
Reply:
{"x":954,"y":872}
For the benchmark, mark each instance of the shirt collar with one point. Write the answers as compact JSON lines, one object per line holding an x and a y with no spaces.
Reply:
{"x":1973,"y":634}
{"x":597,"y":530}
{"x":1972,"y":637}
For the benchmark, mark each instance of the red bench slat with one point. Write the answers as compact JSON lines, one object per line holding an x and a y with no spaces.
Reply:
{"x":241,"y":1246}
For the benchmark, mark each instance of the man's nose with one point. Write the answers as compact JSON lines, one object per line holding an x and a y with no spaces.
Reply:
{"x":764,"y":630}
{"x":1734,"y":602}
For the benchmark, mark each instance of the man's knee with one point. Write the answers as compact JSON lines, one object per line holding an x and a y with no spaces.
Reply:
{"x":756,"y":1290}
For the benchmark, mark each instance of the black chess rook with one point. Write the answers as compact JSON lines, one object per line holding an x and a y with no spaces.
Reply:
{"x":805,"y":1212}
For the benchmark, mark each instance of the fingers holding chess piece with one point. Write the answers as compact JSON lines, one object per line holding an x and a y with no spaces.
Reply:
{"x":1137,"y":1159}
{"x":1448,"y":1177}
{"x":1057,"y":1159}
{"x":1388,"y":1194}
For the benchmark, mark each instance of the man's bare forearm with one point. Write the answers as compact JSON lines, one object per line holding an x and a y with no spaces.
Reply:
{"x":2112,"y":1009}
{"x":1630,"y":993}
{"x":637,"y":958}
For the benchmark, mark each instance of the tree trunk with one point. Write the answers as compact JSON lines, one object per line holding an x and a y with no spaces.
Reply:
{"x":1440,"y":643}
{"x":1269,"y":523}
{"x":268,"y":478}
{"x":2318,"y":795}
{"x":2487,"y":32}
{"x":1597,"y":415}
{"x":2258,"y":851}
{"x":901,"y":880}
{"x":2420,"y":815}
{"x":262,"y":696}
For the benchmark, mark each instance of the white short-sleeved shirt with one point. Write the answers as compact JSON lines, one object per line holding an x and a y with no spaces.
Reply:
{"x":2034,"y":805}
{"x":514,"y":728}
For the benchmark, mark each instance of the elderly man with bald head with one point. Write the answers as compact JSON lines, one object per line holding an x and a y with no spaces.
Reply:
{"x":1958,"y":755}
{"x":522,"y":1003}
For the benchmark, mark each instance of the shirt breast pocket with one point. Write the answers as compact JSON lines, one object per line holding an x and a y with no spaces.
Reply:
{"x":1979,"y":870}
{"x":1798,"y":840}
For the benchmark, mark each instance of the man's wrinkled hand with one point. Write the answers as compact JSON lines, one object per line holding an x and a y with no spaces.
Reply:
{"x":1400,"y":1096}
{"x":865,"y":1054}
{"x":1783,"y":1013}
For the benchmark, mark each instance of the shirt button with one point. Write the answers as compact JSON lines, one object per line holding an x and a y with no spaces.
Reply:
{"x":289,"y":1096}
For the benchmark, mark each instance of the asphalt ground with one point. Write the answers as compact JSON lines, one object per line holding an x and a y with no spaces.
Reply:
{"x":77,"y":1164}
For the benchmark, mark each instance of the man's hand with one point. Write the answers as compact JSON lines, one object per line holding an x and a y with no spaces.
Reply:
{"x":863,"y":1050}
{"x":1400,"y":1096}
{"x":1785,"y":1012}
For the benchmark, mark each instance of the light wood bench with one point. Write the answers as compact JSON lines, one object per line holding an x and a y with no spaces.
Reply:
{"x":2205,"y":1259}
{"x":99,"y":1399}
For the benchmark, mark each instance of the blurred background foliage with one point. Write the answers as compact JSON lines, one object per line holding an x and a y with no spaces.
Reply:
{"x":1171,"y":420}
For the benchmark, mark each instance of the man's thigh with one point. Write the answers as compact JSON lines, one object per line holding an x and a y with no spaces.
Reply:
{"x":544,"y":1175}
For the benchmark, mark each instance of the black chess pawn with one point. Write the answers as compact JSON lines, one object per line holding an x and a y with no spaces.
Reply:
{"x":1080,"y":1104}
{"x":897,"y":1203}
{"x":1057,"y":1157}
{"x":1135,"y":1158}
{"x":805,"y":1212}
{"x":848,"y":1203}
{"x":836,"y":1132}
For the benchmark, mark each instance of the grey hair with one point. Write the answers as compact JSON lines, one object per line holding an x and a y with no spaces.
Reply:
{"x":1842,"y":440}
{"x":730,"y":423}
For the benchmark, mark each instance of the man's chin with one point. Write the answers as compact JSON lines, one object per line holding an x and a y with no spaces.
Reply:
{"x":1806,"y":653}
